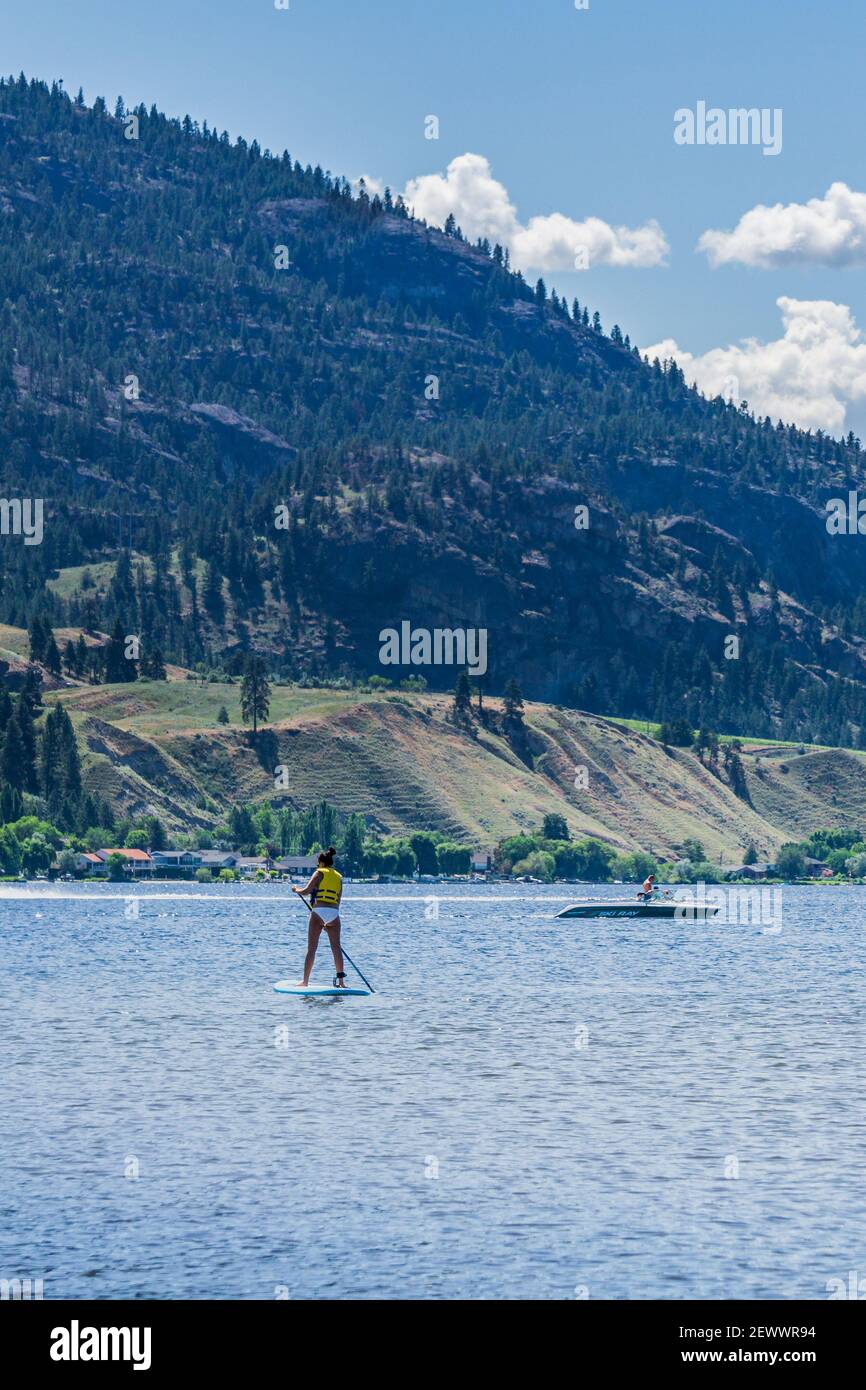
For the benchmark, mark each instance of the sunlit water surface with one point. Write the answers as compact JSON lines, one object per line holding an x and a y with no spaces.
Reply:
{"x":527,"y":1108}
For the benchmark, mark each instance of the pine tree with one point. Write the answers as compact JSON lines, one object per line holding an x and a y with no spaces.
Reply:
{"x":255,"y":693}
{"x":51,"y":657}
{"x":11,"y":803}
{"x":13,"y":767}
{"x":5,"y":707}
{"x":352,"y":847}
{"x":157,"y":838}
{"x":462,"y":706}
{"x":38,"y":636}
{"x":153,"y":666}
{"x":242,"y":826}
{"x":512,"y":703}
{"x":51,"y":764}
{"x":116,"y":667}
{"x":212,"y":598}
{"x":27,"y":731}
{"x":31,"y":693}
{"x":71,"y":760}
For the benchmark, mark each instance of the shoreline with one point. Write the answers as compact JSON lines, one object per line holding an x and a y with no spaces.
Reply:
{"x":586,"y":885}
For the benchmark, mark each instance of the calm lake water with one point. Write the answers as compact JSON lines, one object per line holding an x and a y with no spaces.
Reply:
{"x":526,"y":1109}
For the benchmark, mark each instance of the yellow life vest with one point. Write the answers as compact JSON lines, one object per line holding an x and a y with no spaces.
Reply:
{"x":330,"y":888}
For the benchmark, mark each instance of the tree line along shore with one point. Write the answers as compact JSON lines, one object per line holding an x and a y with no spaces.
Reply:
{"x":267,"y":844}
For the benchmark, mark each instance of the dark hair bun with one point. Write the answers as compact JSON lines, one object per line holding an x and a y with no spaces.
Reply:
{"x":331,"y":849}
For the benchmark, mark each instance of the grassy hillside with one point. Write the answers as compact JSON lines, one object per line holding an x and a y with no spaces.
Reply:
{"x":158,"y":746}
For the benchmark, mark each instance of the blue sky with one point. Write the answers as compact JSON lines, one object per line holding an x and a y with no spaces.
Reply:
{"x":573,"y":111}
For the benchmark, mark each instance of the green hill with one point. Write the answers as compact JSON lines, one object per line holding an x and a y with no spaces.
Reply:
{"x":156,"y":747}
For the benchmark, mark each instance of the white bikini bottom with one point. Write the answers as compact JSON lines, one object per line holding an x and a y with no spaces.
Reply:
{"x":327,"y":914}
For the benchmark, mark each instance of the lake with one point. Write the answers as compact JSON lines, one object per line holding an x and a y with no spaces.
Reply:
{"x":526,"y":1108}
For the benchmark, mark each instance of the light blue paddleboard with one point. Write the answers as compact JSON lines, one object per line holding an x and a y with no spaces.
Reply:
{"x":289,"y":987}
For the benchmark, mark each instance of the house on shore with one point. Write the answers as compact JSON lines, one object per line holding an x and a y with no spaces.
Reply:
{"x":91,"y":865}
{"x":216,"y":859}
{"x":138,"y":861}
{"x":169,"y":861}
{"x":297,"y":865}
{"x":753,"y":872}
{"x":815,"y":868}
{"x":249,"y":864}
{"x":812,"y":868}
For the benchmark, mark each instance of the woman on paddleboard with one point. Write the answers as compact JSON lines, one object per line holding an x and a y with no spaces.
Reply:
{"x":325,"y":889}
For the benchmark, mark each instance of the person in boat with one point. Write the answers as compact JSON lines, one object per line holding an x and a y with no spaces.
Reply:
{"x":325,"y":889}
{"x":648,"y":888}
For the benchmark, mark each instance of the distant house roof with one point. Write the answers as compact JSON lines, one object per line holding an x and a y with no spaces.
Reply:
{"x":91,"y":858}
{"x":224,"y":857}
{"x":176,"y":856}
{"x":136,"y":856}
{"x":300,"y":862}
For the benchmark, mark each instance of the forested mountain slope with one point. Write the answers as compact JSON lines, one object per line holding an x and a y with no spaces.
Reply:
{"x":427,"y":421}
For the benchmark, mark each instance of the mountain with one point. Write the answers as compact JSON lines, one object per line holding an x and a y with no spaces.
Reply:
{"x":236,"y":457}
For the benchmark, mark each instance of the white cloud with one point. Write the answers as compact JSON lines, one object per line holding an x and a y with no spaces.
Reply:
{"x":372,"y":186}
{"x":481,"y":206}
{"x":828,"y":231}
{"x":807,"y":377}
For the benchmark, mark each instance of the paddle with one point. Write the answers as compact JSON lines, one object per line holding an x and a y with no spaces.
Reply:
{"x":342,"y":947}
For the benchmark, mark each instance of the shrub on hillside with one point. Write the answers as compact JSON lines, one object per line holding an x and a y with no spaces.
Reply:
{"x":695,"y":871}
{"x":588,"y":860}
{"x":10,"y":851}
{"x":539,"y":864}
{"x":454,"y":859}
{"x":633,"y":868}
{"x":27,"y":826}
{"x":116,"y":868}
{"x":514,"y":848}
{"x":790,"y":861}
